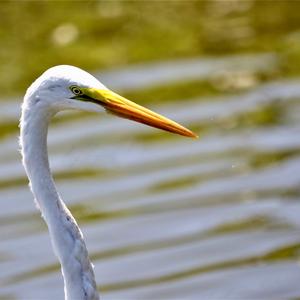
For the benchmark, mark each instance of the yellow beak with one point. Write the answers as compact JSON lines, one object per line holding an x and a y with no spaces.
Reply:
{"x":124,"y":108}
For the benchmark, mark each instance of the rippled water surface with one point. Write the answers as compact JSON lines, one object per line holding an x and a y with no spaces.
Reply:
{"x":163,"y":216}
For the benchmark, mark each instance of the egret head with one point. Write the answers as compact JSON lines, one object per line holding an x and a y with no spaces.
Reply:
{"x":67,"y":87}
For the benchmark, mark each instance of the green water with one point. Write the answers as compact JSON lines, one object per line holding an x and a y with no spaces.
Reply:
{"x":108,"y":34}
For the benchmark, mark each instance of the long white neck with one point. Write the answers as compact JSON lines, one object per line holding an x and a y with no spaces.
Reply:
{"x":66,"y":237}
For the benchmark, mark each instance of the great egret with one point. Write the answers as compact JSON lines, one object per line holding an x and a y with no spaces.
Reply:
{"x":60,"y":88}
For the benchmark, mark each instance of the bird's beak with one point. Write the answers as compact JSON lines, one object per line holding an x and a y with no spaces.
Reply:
{"x":124,"y":108}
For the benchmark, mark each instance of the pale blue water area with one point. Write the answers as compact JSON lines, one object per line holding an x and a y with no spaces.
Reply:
{"x":166,"y":217}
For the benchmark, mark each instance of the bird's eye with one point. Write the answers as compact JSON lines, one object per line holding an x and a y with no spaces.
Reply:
{"x":76,"y":90}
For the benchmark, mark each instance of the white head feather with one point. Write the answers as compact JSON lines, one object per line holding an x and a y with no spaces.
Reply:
{"x":52,"y":89}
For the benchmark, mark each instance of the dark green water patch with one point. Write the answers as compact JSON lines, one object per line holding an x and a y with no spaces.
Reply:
{"x":61,"y":175}
{"x":8,"y":128}
{"x":177,"y":183}
{"x":261,"y":223}
{"x":179,"y":90}
{"x":263,"y":159}
{"x":29,"y":224}
{"x":78,"y":173}
{"x":262,"y":116}
{"x":16,"y":181}
{"x":190,"y":180}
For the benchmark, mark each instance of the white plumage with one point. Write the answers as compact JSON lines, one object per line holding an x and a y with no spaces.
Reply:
{"x":46,"y":96}
{"x":60,"y":88}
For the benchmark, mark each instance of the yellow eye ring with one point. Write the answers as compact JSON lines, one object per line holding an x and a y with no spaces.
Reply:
{"x":76,"y":90}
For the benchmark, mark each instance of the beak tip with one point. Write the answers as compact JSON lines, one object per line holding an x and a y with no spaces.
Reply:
{"x":194,"y":136}
{"x":191,"y":134}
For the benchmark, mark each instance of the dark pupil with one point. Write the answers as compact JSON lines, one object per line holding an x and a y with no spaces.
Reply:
{"x":76,"y":91}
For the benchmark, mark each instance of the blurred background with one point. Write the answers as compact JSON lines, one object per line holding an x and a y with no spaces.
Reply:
{"x":163,"y":216}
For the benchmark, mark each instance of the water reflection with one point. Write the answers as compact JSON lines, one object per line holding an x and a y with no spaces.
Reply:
{"x":166,"y":217}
